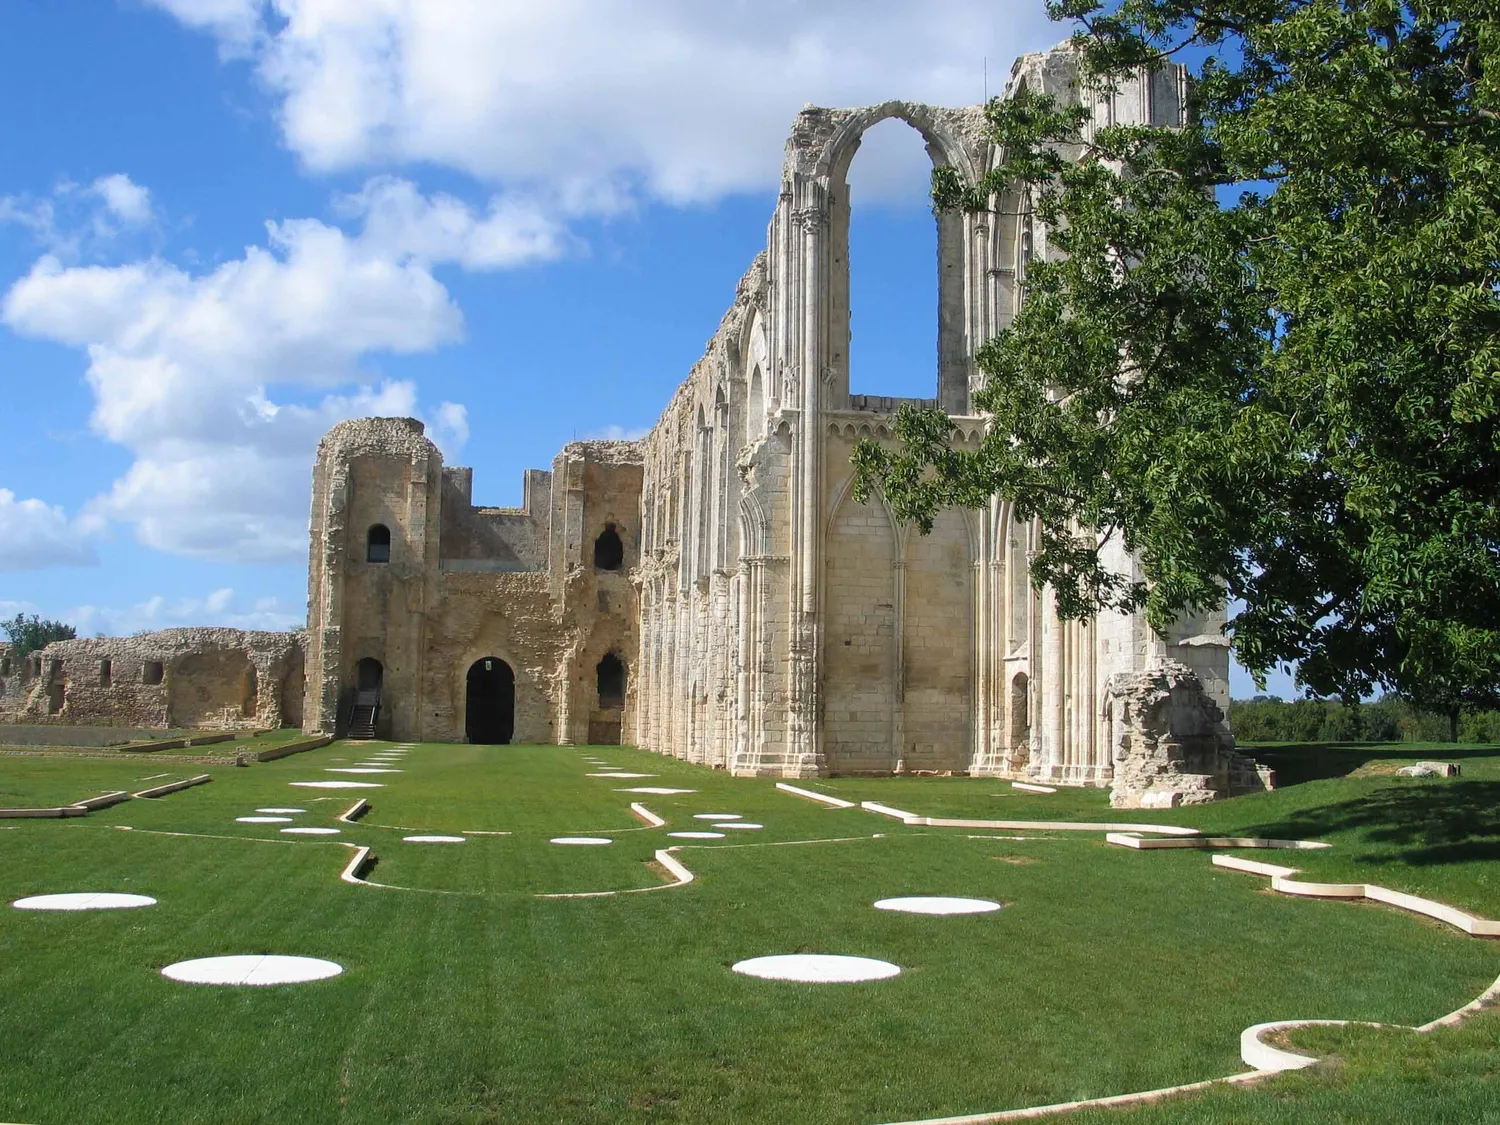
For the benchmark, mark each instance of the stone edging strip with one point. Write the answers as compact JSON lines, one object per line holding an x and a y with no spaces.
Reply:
{"x":1028,"y":787}
{"x":1281,"y":880}
{"x":77,"y":808}
{"x":1031,"y":825}
{"x":1141,"y":843}
{"x":824,"y":798}
{"x":361,"y":860}
{"x":354,"y":811}
{"x":646,"y":814}
{"x":290,"y":748}
{"x":173,"y":786}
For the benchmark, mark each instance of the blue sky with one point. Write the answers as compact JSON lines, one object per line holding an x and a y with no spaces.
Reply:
{"x":226,"y":224}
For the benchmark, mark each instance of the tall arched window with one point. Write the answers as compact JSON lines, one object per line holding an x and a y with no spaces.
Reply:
{"x":609,"y":552}
{"x":378,"y":544}
{"x":892,"y":289}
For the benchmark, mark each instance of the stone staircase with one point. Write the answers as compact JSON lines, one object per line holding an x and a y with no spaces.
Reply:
{"x":362,"y":716}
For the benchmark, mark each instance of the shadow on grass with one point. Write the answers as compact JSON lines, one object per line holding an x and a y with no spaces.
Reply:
{"x":1422,"y":825}
{"x":1296,"y":762}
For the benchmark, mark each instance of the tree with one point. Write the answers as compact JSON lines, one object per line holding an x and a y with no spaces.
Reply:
{"x":1289,"y":399}
{"x":31,"y":634}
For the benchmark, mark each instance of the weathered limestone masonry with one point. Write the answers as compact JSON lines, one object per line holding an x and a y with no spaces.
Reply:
{"x":714,"y":591}
{"x":787,"y":630}
{"x":192,"y":678}
{"x":477,"y":624}
{"x":1171,"y":746}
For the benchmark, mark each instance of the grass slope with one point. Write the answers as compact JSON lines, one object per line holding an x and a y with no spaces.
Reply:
{"x":468,"y":999}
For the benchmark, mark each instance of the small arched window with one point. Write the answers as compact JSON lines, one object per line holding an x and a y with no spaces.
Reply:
{"x":378,"y":544}
{"x":611,"y":674}
{"x":609,"y":552}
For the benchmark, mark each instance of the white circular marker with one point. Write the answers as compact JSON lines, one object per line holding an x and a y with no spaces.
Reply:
{"x":310,"y":831}
{"x":938,"y":905}
{"x":263,"y":820}
{"x":360,"y":769}
{"x":620,"y":775}
{"x":817,"y":968}
{"x":581,"y":840}
{"x":280,"y":811}
{"x":83,"y":900}
{"x":656,"y":789}
{"x":717,"y":816}
{"x":697,"y":835}
{"x":740,"y":824}
{"x":434,"y":839}
{"x":252,"y":969}
{"x":337,"y":784}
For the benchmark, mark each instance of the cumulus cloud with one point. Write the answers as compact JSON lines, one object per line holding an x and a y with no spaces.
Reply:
{"x":34,"y":535}
{"x":126,"y":200}
{"x":185,"y":368}
{"x":219,"y":607}
{"x":73,"y":220}
{"x":688,"y":100}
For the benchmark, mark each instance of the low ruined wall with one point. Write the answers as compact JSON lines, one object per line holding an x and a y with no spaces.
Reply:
{"x":203,"y":678}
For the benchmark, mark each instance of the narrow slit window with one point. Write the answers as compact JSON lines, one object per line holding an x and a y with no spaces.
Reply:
{"x":106,"y":670}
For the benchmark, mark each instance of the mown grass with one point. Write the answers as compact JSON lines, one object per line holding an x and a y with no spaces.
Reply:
{"x":1107,"y":971}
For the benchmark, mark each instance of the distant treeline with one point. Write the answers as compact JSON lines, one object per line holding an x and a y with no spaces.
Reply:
{"x":1270,"y":719}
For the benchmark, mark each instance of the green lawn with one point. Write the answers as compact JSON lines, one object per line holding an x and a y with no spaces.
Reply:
{"x":467,"y":998}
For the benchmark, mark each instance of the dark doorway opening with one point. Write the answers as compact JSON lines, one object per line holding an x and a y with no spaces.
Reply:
{"x":609,"y":552}
{"x":611,"y":682}
{"x":490,"y":702}
{"x":367,"y":674}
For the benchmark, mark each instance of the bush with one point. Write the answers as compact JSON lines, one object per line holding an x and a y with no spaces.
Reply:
{"x":1389,"y":719}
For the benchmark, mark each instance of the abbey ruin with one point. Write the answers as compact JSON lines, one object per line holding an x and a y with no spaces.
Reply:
{"x":714,"y":591}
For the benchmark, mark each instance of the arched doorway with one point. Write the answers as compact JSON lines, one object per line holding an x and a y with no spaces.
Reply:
{"x":364,"y":714}
{"x":609,"y":700}
{"x":490,"y":702}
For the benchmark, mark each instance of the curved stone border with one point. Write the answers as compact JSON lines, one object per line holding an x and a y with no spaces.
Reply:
{"x":681,"y":877}
{"x":1041,"y":825}
{"x":824,"y":798}
{"x":173,"y":786}
{"x":1281,"y":880}
{"x":354,"y":811}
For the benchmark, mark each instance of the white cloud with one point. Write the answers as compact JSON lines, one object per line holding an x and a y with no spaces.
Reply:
{"x":615,"y":432}
{"x":34,"y":535}
{"x":183,"y":366}
{"x":73,"y":220}
{"x":219,"y":607}
{"x":688,"y":99}
{"x":400,"y":223}
{"x":126,"y":200}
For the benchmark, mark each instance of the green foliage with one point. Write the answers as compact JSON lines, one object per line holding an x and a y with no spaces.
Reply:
{"x":1292,"y":399}
{"x":31,"y":634}
{"x":1391,"y":719}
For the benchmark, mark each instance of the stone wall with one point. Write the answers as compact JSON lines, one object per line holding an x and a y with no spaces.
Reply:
{"x":515,"y":592}
{"x":200,"y":678}
{"x":786,"y":629}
